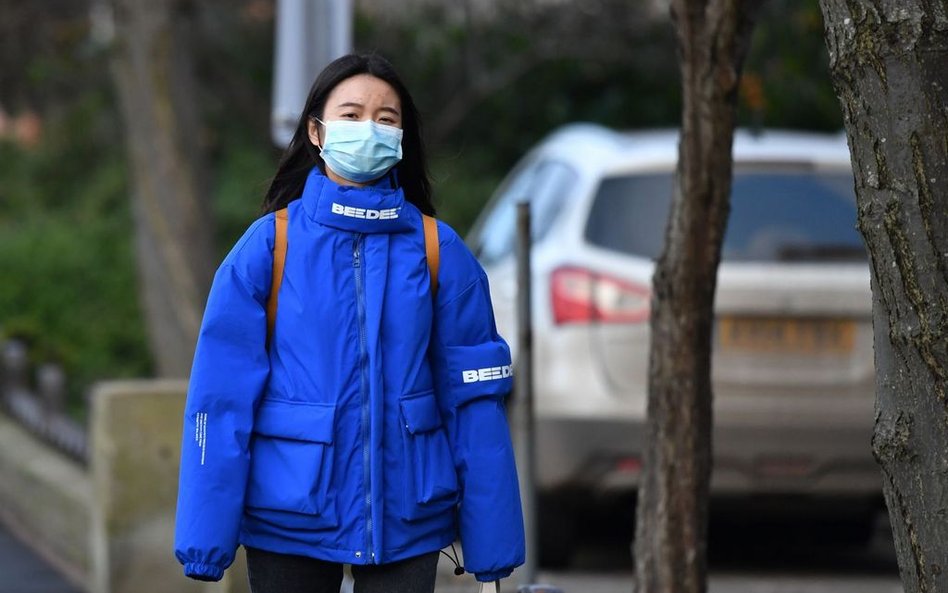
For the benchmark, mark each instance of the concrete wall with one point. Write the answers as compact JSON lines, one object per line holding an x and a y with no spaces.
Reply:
{"x":136,"y":447}
{"x":108,"y":528}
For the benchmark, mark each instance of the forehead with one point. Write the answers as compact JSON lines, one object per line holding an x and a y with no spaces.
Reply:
{"x":364,"y":89}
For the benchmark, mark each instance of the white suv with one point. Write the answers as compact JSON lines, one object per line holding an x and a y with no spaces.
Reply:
{"x":792,"y":361}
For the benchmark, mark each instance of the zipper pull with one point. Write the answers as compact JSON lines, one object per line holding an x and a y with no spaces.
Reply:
{"x":356,"y":258}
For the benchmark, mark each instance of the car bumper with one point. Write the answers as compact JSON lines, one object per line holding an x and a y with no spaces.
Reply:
{"x":605,"y":455}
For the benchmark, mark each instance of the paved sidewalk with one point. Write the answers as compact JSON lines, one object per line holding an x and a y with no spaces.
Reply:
{"x":22,"y":571}
{"x":621,"y":582}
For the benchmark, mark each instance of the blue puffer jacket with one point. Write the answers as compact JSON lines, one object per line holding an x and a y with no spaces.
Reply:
{"x":373,"y":429}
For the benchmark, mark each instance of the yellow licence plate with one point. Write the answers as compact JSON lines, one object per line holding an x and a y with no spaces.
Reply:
{"x":787,"y":335}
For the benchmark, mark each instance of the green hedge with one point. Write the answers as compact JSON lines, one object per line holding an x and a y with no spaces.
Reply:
{"x":67,"y":286}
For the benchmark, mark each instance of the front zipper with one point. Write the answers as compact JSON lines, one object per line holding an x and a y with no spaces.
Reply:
{"x":357,"y":269}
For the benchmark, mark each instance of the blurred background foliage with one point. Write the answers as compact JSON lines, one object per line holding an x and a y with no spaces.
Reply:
{"x":489,"y":83}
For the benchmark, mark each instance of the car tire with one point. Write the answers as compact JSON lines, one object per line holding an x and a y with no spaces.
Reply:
{"x":556,"y":531}
{"x":858,"y":529}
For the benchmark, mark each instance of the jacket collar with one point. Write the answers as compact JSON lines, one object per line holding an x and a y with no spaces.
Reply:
{"x":369,"y":209}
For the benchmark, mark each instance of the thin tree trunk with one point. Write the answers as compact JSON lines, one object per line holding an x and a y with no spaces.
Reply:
{"x":671,"y":532}
{"x":153,"y":73}
{"x":889,"y":62}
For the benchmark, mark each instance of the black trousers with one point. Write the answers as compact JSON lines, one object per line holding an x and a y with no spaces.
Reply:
{"x":270,"y":572}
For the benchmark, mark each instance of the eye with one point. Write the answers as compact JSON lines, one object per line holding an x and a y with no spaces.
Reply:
{"x":389,"y":121}
{"x":349,"y":115}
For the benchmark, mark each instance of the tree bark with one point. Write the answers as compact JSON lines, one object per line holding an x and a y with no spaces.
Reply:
{"x":671,"y":527}
{"x":152,"y":69}
{"x":889,"y":62}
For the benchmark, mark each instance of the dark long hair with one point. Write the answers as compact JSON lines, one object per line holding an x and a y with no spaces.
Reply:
{"x":301,"y":155}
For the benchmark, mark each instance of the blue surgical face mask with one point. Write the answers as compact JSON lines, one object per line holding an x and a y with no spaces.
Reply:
{"x":360,"y":151}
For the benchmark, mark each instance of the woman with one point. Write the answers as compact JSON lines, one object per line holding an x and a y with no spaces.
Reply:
{"x":367,"y":426}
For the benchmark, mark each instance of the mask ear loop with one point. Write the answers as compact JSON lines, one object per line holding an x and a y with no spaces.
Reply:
{"x":322,"y":123}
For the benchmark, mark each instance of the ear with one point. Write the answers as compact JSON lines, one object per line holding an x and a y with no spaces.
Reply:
{"x":312,"y":129}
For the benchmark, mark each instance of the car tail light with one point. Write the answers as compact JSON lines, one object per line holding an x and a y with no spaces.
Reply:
{"x":632,"y":465}
{"x":584,"y":296}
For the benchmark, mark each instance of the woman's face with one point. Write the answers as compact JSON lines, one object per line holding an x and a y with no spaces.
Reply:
{"x":362,"y":97}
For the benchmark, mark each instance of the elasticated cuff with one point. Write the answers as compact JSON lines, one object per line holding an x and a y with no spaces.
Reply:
{"x":203,"y":572}
{"x":490,"y":577}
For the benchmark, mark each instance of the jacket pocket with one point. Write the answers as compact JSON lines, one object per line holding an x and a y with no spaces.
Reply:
{"x":291,"y":460}
{"x":431,"y":482}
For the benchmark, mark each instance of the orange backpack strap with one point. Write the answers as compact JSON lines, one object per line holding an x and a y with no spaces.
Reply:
{"x":279,"y":260}
{"x":433,"y":250}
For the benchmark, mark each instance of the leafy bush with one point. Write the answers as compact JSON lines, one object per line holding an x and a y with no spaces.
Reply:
{"x":68,"y":281}
{"x":242,"y":173}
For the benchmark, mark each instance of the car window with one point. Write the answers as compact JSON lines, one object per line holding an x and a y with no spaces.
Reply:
{"x":776,"y":215}
{"x":546,"y":184}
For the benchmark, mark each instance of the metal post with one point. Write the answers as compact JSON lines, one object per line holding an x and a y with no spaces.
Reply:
{"x":523,"y":392}
{"x":309,"y":35}
{"x":342,"y":19}
{"x":51,"y":388}
{"x":15,"y":366}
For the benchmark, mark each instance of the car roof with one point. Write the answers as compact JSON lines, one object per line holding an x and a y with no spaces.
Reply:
{"x":595,"y":147}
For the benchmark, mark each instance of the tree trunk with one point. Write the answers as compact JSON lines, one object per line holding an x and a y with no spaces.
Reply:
{"x":671,"y":533}
{"x":889,"y":62}
{"x":174,"y":235}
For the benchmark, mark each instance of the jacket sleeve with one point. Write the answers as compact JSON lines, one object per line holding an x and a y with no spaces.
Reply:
{"x":228,"y":376}
{"x":473,"y":374}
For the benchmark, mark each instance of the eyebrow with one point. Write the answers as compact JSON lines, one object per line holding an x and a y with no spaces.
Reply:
{"x":360,"y":105}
